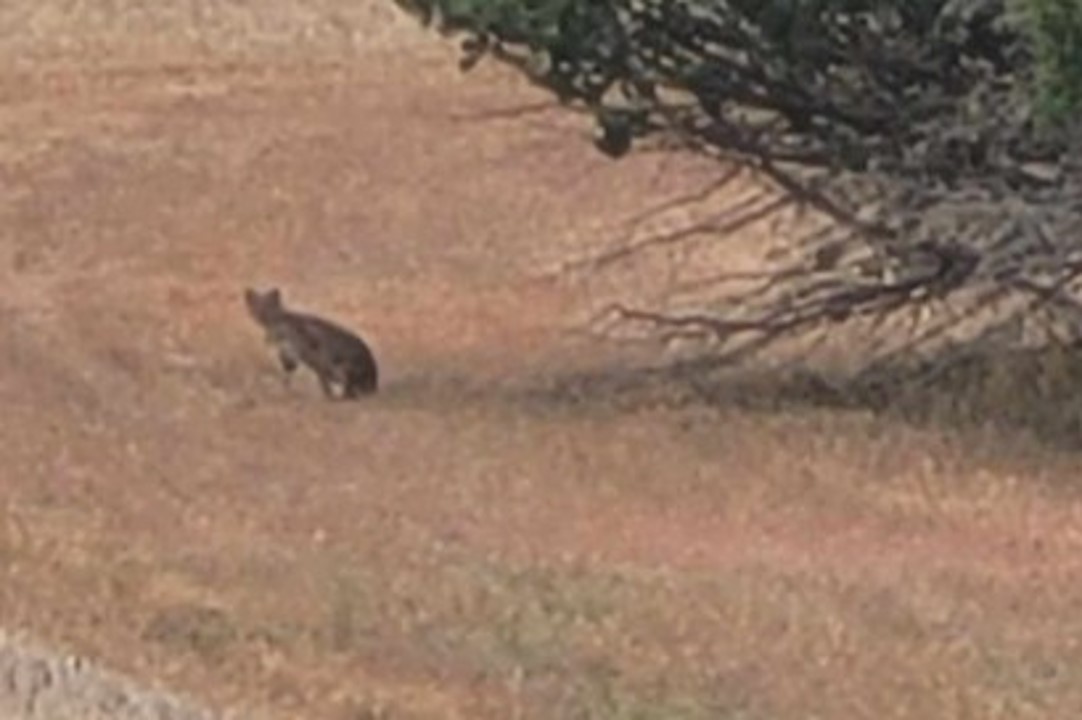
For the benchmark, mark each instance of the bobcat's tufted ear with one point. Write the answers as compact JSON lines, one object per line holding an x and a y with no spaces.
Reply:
{"x":263,"y":305}
{"x":272,"y":297}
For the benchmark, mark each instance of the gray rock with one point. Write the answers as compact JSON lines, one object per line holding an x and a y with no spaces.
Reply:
{"x":38,"y":685}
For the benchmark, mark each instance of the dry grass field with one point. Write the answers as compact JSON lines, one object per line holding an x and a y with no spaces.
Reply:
{"x":474,"y":542}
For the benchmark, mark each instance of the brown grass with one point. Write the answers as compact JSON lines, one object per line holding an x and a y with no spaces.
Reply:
{"x":474,"y":542}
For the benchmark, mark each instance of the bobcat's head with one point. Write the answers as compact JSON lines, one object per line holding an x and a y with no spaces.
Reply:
{"x":264,"y":307}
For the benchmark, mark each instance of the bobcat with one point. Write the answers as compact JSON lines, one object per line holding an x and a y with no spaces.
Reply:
{"x":334,"y":354}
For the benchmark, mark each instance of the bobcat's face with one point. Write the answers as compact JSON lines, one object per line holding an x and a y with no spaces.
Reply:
{"x":266,"y":307}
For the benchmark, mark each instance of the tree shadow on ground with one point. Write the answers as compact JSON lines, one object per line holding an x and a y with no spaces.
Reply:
{"x":1035,"y":393}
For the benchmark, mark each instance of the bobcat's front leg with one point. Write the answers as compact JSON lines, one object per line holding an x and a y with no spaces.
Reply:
{"x":289,"y":365}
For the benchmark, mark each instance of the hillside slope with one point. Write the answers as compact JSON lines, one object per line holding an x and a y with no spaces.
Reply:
{"x":473,"y":542}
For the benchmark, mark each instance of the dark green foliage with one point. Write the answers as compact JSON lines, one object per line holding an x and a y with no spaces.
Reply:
{"x":1056,"y":29}
{"x":828,"y":82}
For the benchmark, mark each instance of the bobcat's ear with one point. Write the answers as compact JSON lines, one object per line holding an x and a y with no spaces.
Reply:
{"x":274,"y":297}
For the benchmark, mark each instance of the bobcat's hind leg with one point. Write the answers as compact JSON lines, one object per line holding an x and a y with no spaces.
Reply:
{"x":354,"y":387}
{"x":326,"y":386}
